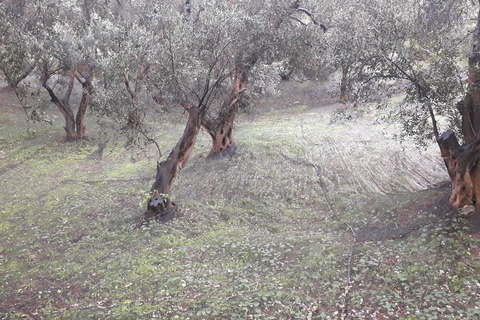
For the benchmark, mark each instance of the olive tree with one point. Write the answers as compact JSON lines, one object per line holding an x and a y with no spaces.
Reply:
{"x":159,"y":51}
{"x":198,"y":56}
{"x":420,"y":47}
{"x":270,"y":39}
{"x":67,"y":48}
{"x":462,"y":160}
{"x":54,"y":43}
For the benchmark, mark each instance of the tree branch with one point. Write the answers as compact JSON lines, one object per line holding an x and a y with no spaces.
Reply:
{"x":298,"y":20}
{"x":434,"y":121}
{"x":129,"y":89}
{"x":308,"y":13}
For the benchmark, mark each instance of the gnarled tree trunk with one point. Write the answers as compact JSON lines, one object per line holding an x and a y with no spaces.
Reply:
{"x":161,"y":205}
{"x":221,"y":128}
{"x":462,"y":162}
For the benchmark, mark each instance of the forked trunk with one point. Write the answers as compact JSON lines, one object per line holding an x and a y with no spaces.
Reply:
{"x":74,"y":125}
{"x":161,"y":205}
{"x":221,"y":128}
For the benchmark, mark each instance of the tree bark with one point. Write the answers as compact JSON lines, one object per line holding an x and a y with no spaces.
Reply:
{"x":343,"y":84}
{"x":461,"y":166}
{"x":221,"y":128}
{"x":471,"y":107}
{"x":462,"y":162}
{"x":167,"y":171}
{"x":85,"y":79}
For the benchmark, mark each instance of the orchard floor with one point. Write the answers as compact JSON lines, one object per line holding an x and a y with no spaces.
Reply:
{"x":311,"y":218}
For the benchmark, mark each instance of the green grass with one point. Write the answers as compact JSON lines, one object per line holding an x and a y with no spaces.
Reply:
{"x":255,"y":237}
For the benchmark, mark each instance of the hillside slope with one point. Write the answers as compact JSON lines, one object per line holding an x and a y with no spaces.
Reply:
{"x":309,"y":219}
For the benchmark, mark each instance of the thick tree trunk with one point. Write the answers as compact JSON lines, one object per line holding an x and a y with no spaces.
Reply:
{"x":462,"y":162}
{"x":161,"y":204}
{"x":221,"y":128}
{"x":470,"y":110}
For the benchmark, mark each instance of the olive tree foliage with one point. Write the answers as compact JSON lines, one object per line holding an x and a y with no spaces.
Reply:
{"x":16,"y":61}
{"x":417,"y":45}
{"x":161,"y":54}
{"x":165,"y":52}
{"x":128,"y":64}
{"x":419,"y":49}
{"x":302,"y":43}
{"x":276,"y":38}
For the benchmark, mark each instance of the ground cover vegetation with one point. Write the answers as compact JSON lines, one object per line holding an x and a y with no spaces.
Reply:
{"x":304,"y":216}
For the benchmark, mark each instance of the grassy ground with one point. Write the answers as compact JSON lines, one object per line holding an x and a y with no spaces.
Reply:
{"x":310,"y":219}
